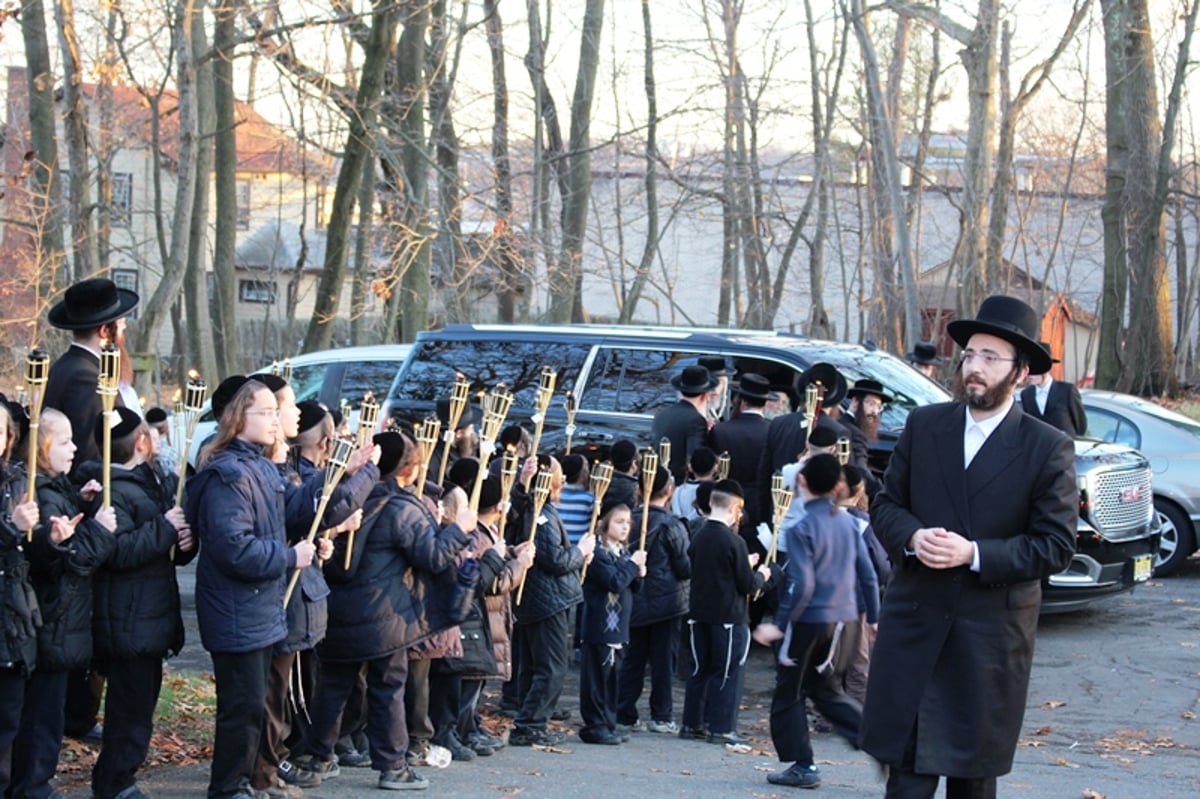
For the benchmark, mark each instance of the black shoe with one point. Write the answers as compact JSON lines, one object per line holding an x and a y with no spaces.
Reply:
{"x":560,"y":715}
{"x":352,"y":758}
{"x":530,"y":736}
{"x":692,"y":734}
{"x":605,"y":739}
{"x":797,"y":776}
{"x":459,"y":750}
{"x":94,"y":736}
{"x":727,"y":738}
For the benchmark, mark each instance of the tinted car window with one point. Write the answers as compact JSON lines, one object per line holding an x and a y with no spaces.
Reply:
{"x":307,"y":380}
{"x":516,"y":364}
{"x":1108,"y":426}
{"x":363,"y":376}
{"x":633,"y":381}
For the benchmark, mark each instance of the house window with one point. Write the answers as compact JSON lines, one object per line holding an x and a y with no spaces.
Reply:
{"x":122,"y":198}
{"x":243,"y":205}
{"x":127,"y":279}
{"x":257,"y":291}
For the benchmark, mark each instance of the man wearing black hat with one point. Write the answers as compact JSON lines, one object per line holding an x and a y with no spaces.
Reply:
{"x":723,"y":576}
{"x":979,"y":504}
{"x":93,"y":310}
{"x":685,"y":424}
{"x":1055,"y":402}
{"x":744,"y":437}
{"x":718,"y":398}
{"x":465,"y":440}
{"x":924,"y":359}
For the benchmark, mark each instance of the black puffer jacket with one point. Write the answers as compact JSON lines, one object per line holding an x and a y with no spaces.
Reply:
{"x":664,"y":591}
{"x":18,"y":602}
{"x":62,"y":577}
{"x":137,"y":597}
{"x":390,"y":598}
{"x":552,"y":583}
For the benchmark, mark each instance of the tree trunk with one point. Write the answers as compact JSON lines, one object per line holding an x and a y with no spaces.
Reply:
{"x":362,"y":256}
{"x":414,"y":291}
{"x":44,"y":188}
{"x":358,"y":155}
{"x":506,"y":257}
{"x":225,"y":173}
{"x":79,"y":209}
{"x":455,"y":257}
{"x":565,"y":277}
{"x":200,"y":351}
{"x":156,"y":311}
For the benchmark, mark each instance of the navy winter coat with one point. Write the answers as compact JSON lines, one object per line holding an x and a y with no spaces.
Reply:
{"x":235,"y":505}
{"x":62,"y":577}
{"x":608,"y":594}
{"x":552,"y":583}
{"x":395,"y":593}
{"x":664,"y":591}
{"x":18,"y":602}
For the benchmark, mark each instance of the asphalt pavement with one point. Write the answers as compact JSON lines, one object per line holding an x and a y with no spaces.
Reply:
{"x":1112,"y":713}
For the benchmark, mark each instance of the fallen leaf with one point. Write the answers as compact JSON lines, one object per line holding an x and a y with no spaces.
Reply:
{"x":1043,"y":730}
{"x":1062,"y":761}
{"x":1052,"y":704}
{"x":1187,"y":714}
{"x":1088,"y":793}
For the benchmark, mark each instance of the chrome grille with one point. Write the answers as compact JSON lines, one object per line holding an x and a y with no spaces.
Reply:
{"x":1121,"y":502}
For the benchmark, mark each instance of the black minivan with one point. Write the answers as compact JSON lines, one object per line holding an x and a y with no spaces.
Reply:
{"x":619,"y":376}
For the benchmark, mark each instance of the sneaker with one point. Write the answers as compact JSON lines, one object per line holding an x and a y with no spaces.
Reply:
{"x":692,"y":734}
{"x":626,"y":729}
{"x":459,"y":750}
{"x":797,"y":776}
{"x":727,"y":738}
{"x":485,"y":738}
{"x":292,"y":774}
{"x":281,"y":790}
{"x":665,"y":727}
{"x":418,"y":756}
{"x":530,"y":736}
{"x":353,"y":758}
{"x":479,"y":746}
{"x":404,"y":779}
{"x":323,"y":769}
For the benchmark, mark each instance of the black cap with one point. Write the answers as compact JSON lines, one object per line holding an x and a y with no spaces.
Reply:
{"x":463,"y":473}
{"x":572,"y":466}
{"x":391,"y":451}
{"x":312,"y":413}
{"x":660,"y":481}
{"x":123,"y":423}
{"x":822,"y":437}
{"x":156,"y":415}
{"x":821,"y":473}
{"x":728,"y":486}
{"x":273,"y":382}
{"x":225,"y":391}
{"x":622,"y":454}
{"x":703,"y":460}
{"x":489,"y":493}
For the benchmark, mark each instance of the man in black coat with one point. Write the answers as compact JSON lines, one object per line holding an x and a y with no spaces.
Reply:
{"x":1055,"y":402}
{"x":744,"y":438}
{"x":684,"y":424}
{"x":979,"y":505}
{"x":93,"y":310}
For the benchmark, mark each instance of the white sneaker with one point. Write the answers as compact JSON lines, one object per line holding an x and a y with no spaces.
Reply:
{"x":668,"y":727}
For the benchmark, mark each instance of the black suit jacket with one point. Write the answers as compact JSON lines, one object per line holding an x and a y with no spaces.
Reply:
{"x":71,"y":388}
{"x":686,"y":428}
{"x":1064,"y":407}
{"x":743,"y":437}
{"x":963,"y":640}
{"x":787,"y":438}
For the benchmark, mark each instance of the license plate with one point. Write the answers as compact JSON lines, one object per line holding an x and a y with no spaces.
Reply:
{"x":1143,"y":565}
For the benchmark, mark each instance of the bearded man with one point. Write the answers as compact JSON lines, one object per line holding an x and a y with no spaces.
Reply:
{"x":979,"y":504}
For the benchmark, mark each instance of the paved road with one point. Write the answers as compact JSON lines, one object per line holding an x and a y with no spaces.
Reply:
{"x":1112,"y":709}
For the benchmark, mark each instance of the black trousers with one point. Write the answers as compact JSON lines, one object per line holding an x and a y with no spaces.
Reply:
{"x":387,"y":727}
{"x":598,"y":671}
{"x":545,"y":655}
{"x":715,"y":684}
{"x":133,"y":688}
{"x":12,"y":699}
{"x":658,"y":645}
{"x":416,"y":704}
{"x":354,"y":715}
{"x":445,"y":700}
{"x":35,"y":752}
{"x":808,"y":645}
{"x":241,"y":705}
{"x":904,"y":783}
{"x":510,"y":693}
{"x":84,"y":689}
{"x":277,"y":721}
{"x":468,"y":707}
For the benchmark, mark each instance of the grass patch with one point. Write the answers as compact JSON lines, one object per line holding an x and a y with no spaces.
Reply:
{"x":184,"y":721}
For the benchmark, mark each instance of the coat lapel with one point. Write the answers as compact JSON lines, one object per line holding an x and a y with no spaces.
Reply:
{"x":948,"y":443}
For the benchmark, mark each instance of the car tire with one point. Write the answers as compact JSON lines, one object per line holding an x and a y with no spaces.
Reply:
{"x":1177,"y":540}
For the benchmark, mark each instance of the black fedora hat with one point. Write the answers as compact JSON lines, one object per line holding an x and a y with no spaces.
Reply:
{"x":693,"y":381}
{"x":924,"y":353}
{"x":825,"y":374}
{"x":91,"y":303}
{"x":754,"y":386}
{"x":1009,"y":319}
{"x":867,"y":386}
